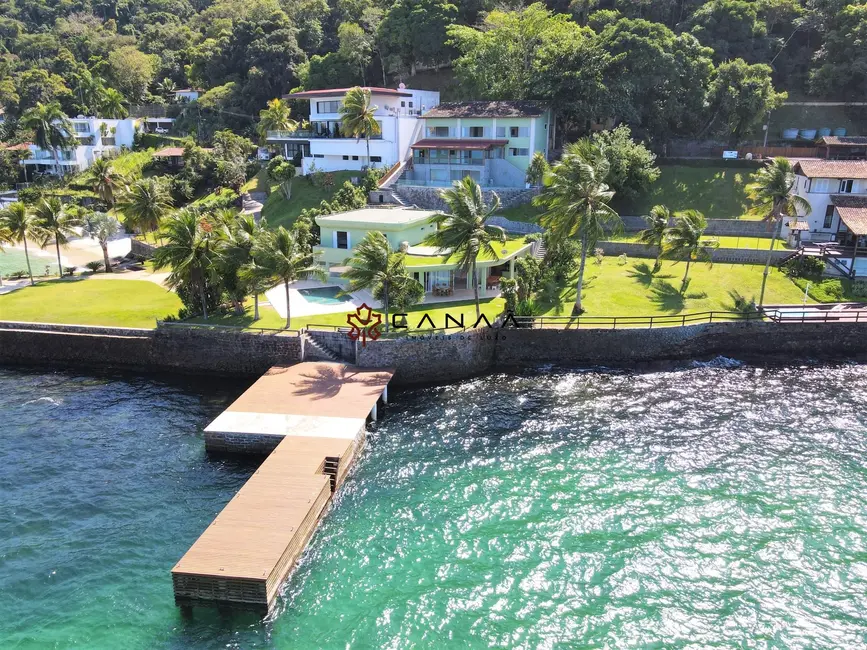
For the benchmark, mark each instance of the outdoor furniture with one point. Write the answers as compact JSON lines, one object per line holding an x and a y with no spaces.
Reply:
{"x":493,"y":282}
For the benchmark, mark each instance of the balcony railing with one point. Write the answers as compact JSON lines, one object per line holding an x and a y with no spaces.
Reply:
{"x":448,"y":160}
{"x":311,"y":135}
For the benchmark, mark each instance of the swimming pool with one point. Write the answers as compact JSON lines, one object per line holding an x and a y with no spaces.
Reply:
{"x":325,"y":296}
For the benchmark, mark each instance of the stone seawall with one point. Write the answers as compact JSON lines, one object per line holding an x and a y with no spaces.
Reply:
{"x":429,"y":197}
{"x":718,"y":227}
{"x":431,"y":358}
{"x":179,"y":349}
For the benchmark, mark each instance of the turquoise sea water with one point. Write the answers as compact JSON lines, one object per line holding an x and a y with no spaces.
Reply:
{"x":13,"y":259}
{"x":700,"y":507}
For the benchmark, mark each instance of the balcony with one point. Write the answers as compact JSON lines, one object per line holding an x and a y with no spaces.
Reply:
{"x":448,"y":160}
{"x":302,"y":134}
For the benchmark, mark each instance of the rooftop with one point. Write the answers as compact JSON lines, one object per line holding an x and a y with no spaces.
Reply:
{"x":845,"y":141}
{"x":327,"y":92}
{"x":832,"y":168}
{"x":853,"y":211}
{"x":380,"y":217}
{"x":521,"y":108}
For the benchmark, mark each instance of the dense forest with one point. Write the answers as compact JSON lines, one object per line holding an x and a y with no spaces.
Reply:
{"x":693,"y":68}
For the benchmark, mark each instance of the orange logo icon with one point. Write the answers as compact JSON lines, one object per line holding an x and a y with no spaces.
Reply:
{"x":365,"y":324}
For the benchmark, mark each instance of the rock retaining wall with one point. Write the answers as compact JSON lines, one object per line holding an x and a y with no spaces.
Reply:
{"x":429,"y":197}
{"x":720,"y":255}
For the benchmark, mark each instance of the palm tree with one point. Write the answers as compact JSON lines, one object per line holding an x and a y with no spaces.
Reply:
{"x":575,"y":198}
{"x":21,"y":224}
{"x":146,"y":204}
{"x":112,"y":105}
{"x":105,"y":180}
{"x":191,"y":251}
{"x":5,"y":238}
{"x":165,"y":88}
{"x":249,"y":234}
{"x":102,"y":227}
{"x":276,"y":117}
{"x":772,"y":192}
{"x":465,"y":233}
{"x":52,"y":130}
{"x":686,"y":241}
{"x":382,"y":271}
{"x":357,"y":116}
{"x":283,"y":258}
{"x":656,"y":232}
{"x":55,"y":223}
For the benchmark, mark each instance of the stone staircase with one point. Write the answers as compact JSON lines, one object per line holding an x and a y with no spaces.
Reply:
{"x":315,"y":351}
{"x":539,"y":250}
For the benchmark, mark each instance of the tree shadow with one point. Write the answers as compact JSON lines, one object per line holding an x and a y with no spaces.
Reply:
{"x":325,"y":380}
{"x":643,"y":274}
{"x":667,"y":297}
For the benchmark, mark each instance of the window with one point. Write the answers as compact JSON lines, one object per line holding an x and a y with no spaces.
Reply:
{"x":355,"y":157}
{"x":319,"y":155}
{"x":501,"y":132}
{"x":341,"y":239}
{"x":345,"y":157}
{"x":410,"y":104}
{"x":519,"y":132}
{"x":829,"y":216}
{"x":403,"y":104}
{"x":846,"y":186}
{"x":519,"y":151}
{"x":474,"y":132}
{"x":328,"y":107}
{"x":439,"y":174}
{"x":376,"y":159}
{"x":438,"y":131}
{"x":81,"y":127}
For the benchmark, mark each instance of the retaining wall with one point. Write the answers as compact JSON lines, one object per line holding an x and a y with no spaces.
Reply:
{"x":179,"y":349}
{"x":141,"y":249}
{"x":721,"y":255}
{"x":429,"y":197}
{"x":431,"y":358}
{"x":719,"y":227}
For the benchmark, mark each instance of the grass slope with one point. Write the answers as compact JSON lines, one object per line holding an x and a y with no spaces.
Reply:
{"x":280,"y":212}
{"x":758,"y":243}
{"x":77,"y":301}
{"x":612,"y":289}
{"x":717,"y":192}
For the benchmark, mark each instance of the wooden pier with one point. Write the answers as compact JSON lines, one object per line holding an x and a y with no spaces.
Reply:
{"x":309,"y":418}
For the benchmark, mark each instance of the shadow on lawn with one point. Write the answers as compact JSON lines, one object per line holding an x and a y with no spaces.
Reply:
{"x":643,"y":274}
{"x":669,"y":298}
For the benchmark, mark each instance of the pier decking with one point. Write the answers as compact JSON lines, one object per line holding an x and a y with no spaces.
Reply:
{"x":310,"y":419}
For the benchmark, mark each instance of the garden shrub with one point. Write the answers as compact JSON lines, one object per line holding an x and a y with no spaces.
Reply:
{"x":804,"y":267}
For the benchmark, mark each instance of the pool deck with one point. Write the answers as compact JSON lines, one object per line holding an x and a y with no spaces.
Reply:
{"x":309,"y":418}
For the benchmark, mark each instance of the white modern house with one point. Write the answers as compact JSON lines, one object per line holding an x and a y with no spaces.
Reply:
{"x":97,"y":137}
{"x":187,"y":94}
{"x":323,"y":142}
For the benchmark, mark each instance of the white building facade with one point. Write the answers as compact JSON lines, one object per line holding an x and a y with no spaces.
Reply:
{"x":324,"y":144}
{"x":97,"y":137}
{"x":829,"y":186}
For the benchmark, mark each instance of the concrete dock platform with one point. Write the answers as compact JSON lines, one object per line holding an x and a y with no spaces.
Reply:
{"x":310,"y":419}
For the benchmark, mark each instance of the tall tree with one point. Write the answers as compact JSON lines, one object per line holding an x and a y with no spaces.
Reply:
{"x":113,"y":105}
{"x":575,"y":198}
{"x":276,"y":116}
{"x":686,"y":241}
{"x":356,"y":46}
{"x":465,"y":232}
{"x":357,"y":116}
{"x":56,"y":224}
{"x":416,"y":31}
{"x":190,"y":250}
{"x":21,"y":225}
{"x":146,"y":204}
{"x":283,"y":258}
{"x":52,"y":130}
{"x":102,"y":227}
{"x":772,"y":191}
{"x":375,"y":267}
{"x":105,"y":180}
{"x":732,"y":29}
{"x":656,"y":232}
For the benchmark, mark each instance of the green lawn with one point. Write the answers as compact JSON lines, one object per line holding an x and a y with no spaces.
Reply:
{"x":525,"y":212}
{"x":76,"y":301}
{"x":280,"y":212}
{"x":629,"y":290}
{"x":759,"y":243}
{"x":717,"y":192}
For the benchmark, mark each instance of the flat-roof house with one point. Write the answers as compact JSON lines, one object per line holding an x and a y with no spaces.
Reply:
{"x":491,"y":141}
{"x":96,"y":138}
{"x":406,"y":229}
{"x":325,"y":144}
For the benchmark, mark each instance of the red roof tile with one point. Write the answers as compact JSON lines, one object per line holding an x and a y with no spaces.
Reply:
{"x":832,"y":168}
